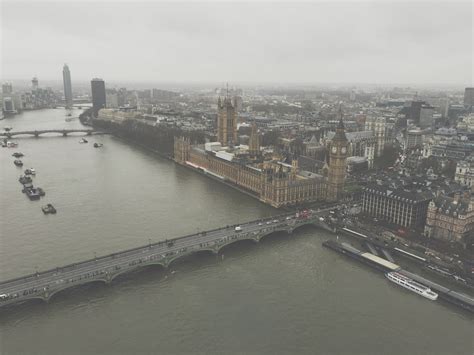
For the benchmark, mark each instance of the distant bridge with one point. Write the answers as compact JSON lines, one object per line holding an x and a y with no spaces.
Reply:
{"x":37,"y":133}
{"x":44,"y":285}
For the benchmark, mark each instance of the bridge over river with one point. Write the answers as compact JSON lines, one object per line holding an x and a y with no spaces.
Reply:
{"x":43,"y":285}
{"x":37,"y":133}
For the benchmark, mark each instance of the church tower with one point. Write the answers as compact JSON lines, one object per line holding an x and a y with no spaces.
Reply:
{"x":337,"y":163}
{"x":226,"y":122}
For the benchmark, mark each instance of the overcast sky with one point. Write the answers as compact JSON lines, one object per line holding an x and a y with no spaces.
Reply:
{"x":319,"y":42}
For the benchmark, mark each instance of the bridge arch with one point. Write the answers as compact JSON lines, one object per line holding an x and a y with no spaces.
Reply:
{"x":53,"y":293}
{"x":312,"y":224}
{"x":269,"y":235}
{"x":253,"y":239}
{"x":266,"y":234}
{"x":137,"y":267}
{"x":33,"y":298}
{"x":188,"y":254}
{"x":48,"y":132}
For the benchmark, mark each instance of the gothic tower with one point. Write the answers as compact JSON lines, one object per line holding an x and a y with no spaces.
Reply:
{"x":226,"y":122}
{"x":337,"y":163}
{"x":254,"y":141}
{"x":182,"y":146}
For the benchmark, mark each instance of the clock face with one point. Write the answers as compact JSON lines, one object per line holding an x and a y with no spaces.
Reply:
{"x":343,"y":150}
{"x":334,"y":149}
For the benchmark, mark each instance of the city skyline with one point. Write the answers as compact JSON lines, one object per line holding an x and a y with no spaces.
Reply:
{"x":235,"y":176}
{"x":306,"y":43}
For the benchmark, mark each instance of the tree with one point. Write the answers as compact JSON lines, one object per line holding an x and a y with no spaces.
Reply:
{"x":449,"y":168}
{"x":389,"y":156}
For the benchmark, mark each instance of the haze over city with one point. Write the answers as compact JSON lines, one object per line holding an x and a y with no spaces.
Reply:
{"x":309,"y":42}
{"x":231,"y":177}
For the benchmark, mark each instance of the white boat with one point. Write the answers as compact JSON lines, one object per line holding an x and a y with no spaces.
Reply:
{"x":411,"y":285}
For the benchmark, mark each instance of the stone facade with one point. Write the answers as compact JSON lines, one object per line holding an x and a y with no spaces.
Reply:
{"x":360,"y":144}
{"x":270,"y":179}
{"x":451,"y":218}
{"x":226,"y":122}
{"x":337,"y":164}
{"x":254,"y":141}
{"x":377,"y":125}
{"x":465,"y":173}
{"x":273,"y":182}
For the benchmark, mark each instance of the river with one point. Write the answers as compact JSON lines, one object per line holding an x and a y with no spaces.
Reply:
{"x":285,"y":295}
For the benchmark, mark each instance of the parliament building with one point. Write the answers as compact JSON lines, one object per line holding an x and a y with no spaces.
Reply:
{"x":262,"y":172}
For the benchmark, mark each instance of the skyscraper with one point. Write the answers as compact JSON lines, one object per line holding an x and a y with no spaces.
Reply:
{"x":7,"y":88}
{"x":469,"y":97}
{"x":34,"y":83}
{"x":67,"y":86}
{"x":98,"y":94}
{"x":414,"y":111}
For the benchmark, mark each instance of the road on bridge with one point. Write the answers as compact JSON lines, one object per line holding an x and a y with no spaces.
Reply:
{"x":44,"y":284}
{"x":36,"y":133}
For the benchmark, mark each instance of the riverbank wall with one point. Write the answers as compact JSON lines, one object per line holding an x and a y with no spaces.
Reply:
{"x":156,"y":138}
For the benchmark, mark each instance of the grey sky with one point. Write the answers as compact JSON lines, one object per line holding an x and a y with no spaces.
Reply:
{"x":364,"y":42}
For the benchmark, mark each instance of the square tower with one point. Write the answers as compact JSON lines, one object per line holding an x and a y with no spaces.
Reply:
{"x":226,"y":122}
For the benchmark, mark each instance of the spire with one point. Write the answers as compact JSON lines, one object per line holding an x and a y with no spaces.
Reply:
{"x":341,"y":122}
{"x":340,"y":131}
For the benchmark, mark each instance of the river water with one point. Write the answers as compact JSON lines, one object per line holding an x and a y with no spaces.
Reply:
{"x":285,"y":295}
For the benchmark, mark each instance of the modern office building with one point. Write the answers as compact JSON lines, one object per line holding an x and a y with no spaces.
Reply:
{"x":98,"y":94}
{"x":7,"y":88}
{"x":34,"y":83}
{"x":8,"y":105}
{"x":469,"y":97}
{"x":414,"y":111}
{"x":427,"y":119}
{"x":404,"y":207}
{"x":67,"y":86}
{"x":414,"y":139}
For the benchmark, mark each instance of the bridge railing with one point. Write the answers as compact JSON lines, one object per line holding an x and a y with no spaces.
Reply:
{"x":42,"y":131}
{"x":51,"y":286}
{"x":72,"y":266}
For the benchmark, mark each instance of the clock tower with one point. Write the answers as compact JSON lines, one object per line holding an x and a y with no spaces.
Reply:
{"x":337,"y":163}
